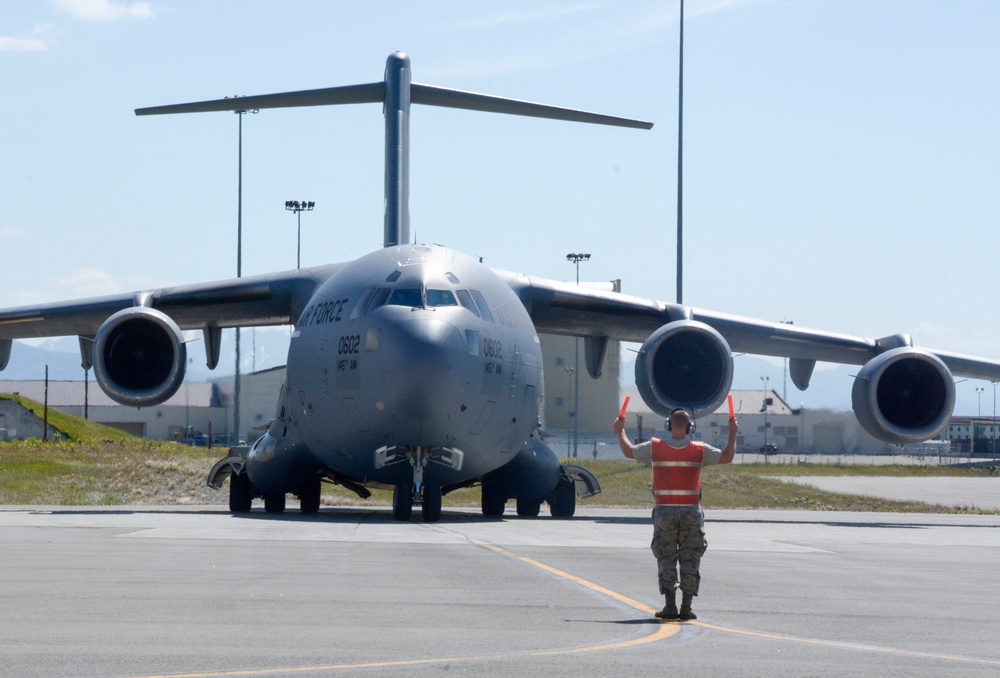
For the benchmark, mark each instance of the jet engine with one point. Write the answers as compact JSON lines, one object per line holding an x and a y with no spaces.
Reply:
{"x":904,"y":395}
{"x":139,"y":357}
{"x":686,"y":364}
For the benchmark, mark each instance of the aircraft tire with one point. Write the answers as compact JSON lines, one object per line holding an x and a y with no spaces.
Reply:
{"x":309,"y":496}
{"x":562,"y":503}
{"x":528,"y":508}
{"x":493,"y":500}
{"x":431,"y":506}
{"x":402,"y":502}
{"x":274,"y":503}
{"x":240,"y":493}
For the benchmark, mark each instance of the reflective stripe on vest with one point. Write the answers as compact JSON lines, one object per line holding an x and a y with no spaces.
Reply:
{"x":677,"y":473}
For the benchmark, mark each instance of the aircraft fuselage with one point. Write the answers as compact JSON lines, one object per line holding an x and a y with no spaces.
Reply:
{"x":412,"y":349}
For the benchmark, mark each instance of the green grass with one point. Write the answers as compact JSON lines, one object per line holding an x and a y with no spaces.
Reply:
{"x":108,"y":473}
{"x":70,"y":427}
{"x":93,"y":465}
{"x":97,"y":465}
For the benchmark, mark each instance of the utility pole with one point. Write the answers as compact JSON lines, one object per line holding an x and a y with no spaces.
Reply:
{"x":45,"y":410}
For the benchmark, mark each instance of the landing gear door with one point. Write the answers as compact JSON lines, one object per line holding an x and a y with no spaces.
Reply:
{"x":585,"y":483}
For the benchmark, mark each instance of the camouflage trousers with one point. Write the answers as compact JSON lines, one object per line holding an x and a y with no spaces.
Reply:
{"x":678,"y":543}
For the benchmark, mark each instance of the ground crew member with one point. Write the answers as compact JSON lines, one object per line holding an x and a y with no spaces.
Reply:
{"x":678,"y":521}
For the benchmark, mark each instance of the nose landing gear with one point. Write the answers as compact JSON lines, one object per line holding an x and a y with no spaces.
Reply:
{"x":426,"y":495}
{"x":404,"y":496}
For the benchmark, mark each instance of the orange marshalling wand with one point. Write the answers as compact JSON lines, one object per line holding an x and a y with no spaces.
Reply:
{"x":621,"y":415}
{"x":732,"y":415}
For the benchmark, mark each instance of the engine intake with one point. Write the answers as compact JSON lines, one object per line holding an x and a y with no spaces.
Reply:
{"x":905,"y":395}
{"x":139,"y":357}
{"x":686,"y":364}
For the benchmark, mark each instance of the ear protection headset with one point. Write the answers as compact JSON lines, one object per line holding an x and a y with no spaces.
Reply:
{"x":690,"y":425}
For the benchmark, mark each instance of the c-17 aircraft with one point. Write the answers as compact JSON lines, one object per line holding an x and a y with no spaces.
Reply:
{"x":419,"y":368}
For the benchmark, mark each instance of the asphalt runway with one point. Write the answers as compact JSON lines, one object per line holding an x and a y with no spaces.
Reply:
{"x":198,"y":592}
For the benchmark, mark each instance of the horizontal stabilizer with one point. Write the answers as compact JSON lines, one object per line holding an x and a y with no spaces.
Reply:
{"x":427,"y":95}
{"x":329,"y":96}
{"x":430,"y":95}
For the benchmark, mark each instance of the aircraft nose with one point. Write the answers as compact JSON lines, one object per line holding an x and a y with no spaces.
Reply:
{"x":422,"y":363}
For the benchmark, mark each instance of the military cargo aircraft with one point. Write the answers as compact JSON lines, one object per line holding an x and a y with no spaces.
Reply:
{"x":419,"y":368}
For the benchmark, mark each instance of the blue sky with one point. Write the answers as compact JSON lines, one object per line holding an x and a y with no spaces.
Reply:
{"x":841,"y":157}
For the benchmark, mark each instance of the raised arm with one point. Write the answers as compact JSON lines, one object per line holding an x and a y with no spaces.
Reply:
{"x":623,"y":442}
{"x":729,"y":452}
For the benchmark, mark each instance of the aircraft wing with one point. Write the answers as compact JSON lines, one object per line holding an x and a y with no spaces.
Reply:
{"x":271,"y":299}
{"x":564,"y":308}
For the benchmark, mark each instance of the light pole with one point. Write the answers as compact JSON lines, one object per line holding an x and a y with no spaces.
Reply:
{"x":993,"y":428}
{"x":569,"y":408}
{"x":239,"y":270}
{"x":764,"y":410}
{"x":299,"y":208}
{"x":576,"y":258}
{"x":979,"y":415}
{"x":680,"y":163}
{"x":784,"y":385}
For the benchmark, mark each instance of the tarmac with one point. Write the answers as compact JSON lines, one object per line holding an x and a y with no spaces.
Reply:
{"x":195,"y":591}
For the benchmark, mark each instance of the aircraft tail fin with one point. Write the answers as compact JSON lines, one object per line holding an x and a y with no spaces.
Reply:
{"x":396,"y":93}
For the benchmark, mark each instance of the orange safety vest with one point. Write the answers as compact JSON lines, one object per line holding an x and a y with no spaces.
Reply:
{"x":677,"y":473}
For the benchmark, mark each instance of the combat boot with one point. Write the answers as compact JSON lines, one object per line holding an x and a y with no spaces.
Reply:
{"x":669,"y":610}
{"x":686,"y":614}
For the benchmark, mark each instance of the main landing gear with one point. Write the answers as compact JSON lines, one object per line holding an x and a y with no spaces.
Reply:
{"x":242,"y":493}
{"x":562,"y":501}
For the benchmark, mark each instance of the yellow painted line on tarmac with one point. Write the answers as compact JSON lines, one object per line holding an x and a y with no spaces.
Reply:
{"x":663,"y":631}
{"x":848,"y":646}
{"x":635,"y":604}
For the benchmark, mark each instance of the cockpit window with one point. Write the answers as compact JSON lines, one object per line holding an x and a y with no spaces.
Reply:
{"x":394,"y":276}
{"x":465,"y":299}
{"x":452,"y":278}
{"x":361,"y":306}
{"x":378,"y":299}
{"x":440,"y":298}
{"x":484,"y":309}
{"x":405,"y":297}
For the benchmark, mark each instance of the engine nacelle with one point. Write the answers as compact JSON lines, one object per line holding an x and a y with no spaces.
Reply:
{"x":686,"y":364}
{"x":905,"y":395}
{"x":139,"y":357}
